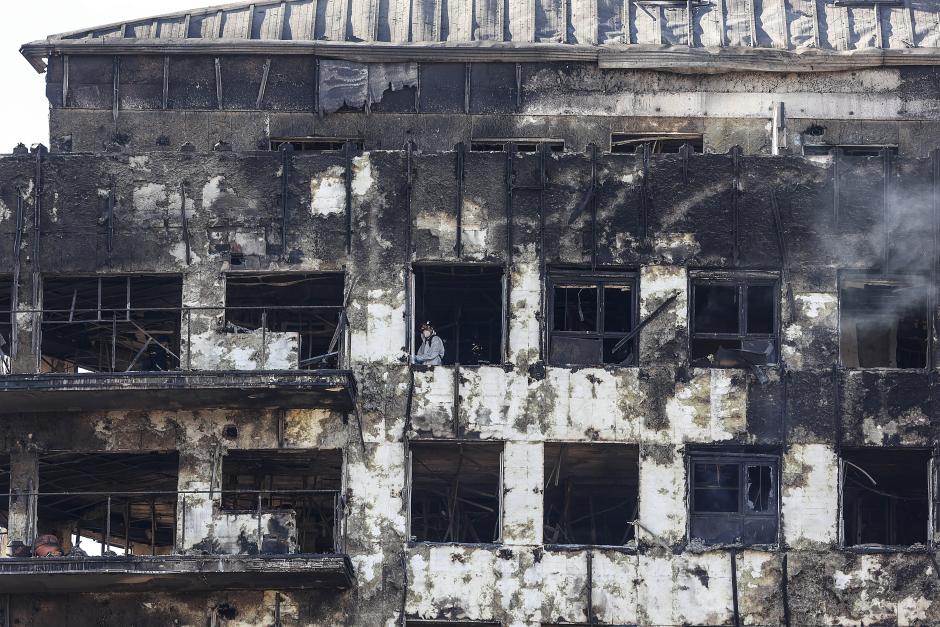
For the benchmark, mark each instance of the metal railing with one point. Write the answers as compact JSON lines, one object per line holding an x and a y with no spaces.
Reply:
{"x":108,"y":519}
{"x":135,"y":339}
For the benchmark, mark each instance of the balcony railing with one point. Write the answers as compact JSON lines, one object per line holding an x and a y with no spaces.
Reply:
{"x":190,"y":338}
{"x":121,"y":525}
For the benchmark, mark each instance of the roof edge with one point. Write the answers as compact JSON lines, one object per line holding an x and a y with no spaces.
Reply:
{"x":678,"y":59}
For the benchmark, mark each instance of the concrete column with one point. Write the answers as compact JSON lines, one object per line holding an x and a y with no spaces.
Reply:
{"x":24,"y":482}
{"x":195,"y":522}
{"x":523,"y":470}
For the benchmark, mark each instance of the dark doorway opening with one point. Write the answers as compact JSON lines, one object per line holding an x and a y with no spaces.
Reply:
{"x":455,"y":491}
{"x":590,"y":493}
{"x":885,"y":498}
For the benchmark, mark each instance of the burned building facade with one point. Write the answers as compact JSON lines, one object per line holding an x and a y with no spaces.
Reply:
{"x":682,"y":258}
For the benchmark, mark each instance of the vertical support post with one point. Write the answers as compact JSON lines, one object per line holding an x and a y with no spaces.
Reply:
{"x":166,"y":81}
{"x":461,"y":156}
{"x":347,"y":181}
{"x":590,"y":588}
{"x":37,"y":252}
{"x":734,"y":588}
{"x":24,"y":485}
{"x":456,"y":417}
{"x":110,"y":218}
{"x":518,"y":87}
{"x":65,"y":81}
{"x":286,"y":163}
{"x":264,"y":338}
{"x":106,"y":539}
{"x":466,"y":88}
{"x":543,"y":148}
{"x":184,"y":219}
{"x":935,"y":171}
{"x":153,"y":526}
{"x":116,"y":96}
{"x":643,"y":151}
{"x":593,"y":149}
{"x":127,"y":527}
{"x":735,"y":209}
{"x":218,"y":83}
{"x":510,"y":182}
{"x":886,"y":170}
{"x":259,"y":521}
{"x":15,"y":290}
{"x":836,"y":184}
{"x":113,"y":341}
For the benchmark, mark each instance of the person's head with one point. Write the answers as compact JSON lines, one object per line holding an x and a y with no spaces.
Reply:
{"x":427,"y":330}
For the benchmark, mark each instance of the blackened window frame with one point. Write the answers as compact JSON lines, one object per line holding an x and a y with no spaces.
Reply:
{"x":900,"y":279}
{"x":596,"y":279}
{"x":741,"y":280}
{"x":742,"y":461}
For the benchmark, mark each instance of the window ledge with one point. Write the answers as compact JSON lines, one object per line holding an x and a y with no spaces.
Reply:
{"x":415,"y":544}
{"x":921,"y":549}
{"x":572,"y":548}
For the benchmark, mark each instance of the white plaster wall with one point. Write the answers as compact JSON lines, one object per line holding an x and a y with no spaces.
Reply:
{"x":810,"y":495}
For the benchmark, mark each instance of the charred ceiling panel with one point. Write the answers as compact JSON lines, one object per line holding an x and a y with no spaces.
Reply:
{"x":192,"y":83}
{"x":241,"y":81}
{"x":141,"y":82}
{"x":493,"y":88}
{"x":91,"y":82}
{"x":442,"y":87}
{"x":292,"y":83}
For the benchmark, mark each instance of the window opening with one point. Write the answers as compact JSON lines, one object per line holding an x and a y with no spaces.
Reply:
{"x":590,"y":314}
{"x":111,"y":323}
{"x":885,"y":500}
{"x":656,"y":143}
{"x":455,"y":492}
{"x":314,"y":144}
{"x":824,"y":153}
{"x":305,"y":308}
{"x":734,"y":323}
{"x":590,"y":493}
{"x":883,"y":323}
{"x":734,"y":498}
{"x":297,"y":493}
{"x":464,"y":305}
{"x":83,"y":496}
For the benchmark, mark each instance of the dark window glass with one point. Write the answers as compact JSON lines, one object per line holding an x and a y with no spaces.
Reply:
{"x":759,"y":488}
{"x":760,"y":309}
{"x":618,"y":309}
{"x":716,"y":308}
{"x":575,"y":308}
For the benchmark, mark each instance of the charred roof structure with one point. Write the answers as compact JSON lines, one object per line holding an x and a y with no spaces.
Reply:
{"x":319,"y":313}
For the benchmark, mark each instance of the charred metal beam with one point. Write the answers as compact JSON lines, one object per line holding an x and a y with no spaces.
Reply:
{"x":218,"y":83}
{"x":590,"y":588}
{"x":734,"y":588}
{"x":461,"y":159}
{"x":735,"y":204}
{"x":37,"y":244}
{"x":65,"y":81}
{"x":347,"y":183}
{"x":287,"y":150}
{"x":643,"y":151}
{"x":593,"y":148}
{"x":785,"y":592}
{"x":116,"y":85}
{"x":684,"y":151}
{"x":456,"y":416}
{"x":264,"y":83}
{"x":836,"y":184}
{"x":466,"y":87}
{"x":509,"y":176}
{"x":166,"y":80}
{"x":409,"y":253}
{"x":632,"y":334}
{"x":518,"y":87}
{"x":185,"y":222}
{"x":784,"y":255}
{"x":110,"y":218}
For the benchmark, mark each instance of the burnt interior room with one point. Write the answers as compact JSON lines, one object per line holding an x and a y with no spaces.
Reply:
{"x":310,"y":305}
{"x":656,"y":143}
{"x":591,"y":493}
{"x":303,"y":483}
{"x":883,"y":323}
{"x":734,"y":497}
{"x":734,"y":322}
{"x":111,"y":323}
{"x":455,"y":491}
{"x":6,"y":323}
{"x":591,"y":316}
{"x":885,"y":496}
{"x":464,"y":304}
{"x":78,"y":491}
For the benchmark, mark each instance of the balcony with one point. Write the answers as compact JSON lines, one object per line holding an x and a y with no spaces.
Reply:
{"x":71,"y":539}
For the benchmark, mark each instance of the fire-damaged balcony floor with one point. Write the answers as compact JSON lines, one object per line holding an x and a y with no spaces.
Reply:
{"x":174,"y":573}
{"x":54,"y":392}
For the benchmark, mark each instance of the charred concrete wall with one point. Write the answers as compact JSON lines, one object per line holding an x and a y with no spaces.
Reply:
{"x":663,"y":218}
{"x":122,"y":103}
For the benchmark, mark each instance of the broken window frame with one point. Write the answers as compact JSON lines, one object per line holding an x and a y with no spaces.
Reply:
{"x":848,"y":276}
{"x":516,"y":144}
{"x":310,"y":143}
{"x":598,"y":280}
{"x":655,"y":141}
{"x":413,"y":339}
{"x":741,"y":281}
{"x":932,"y":497}
{"x":409,"y":491}
{"x":742,"y":461}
